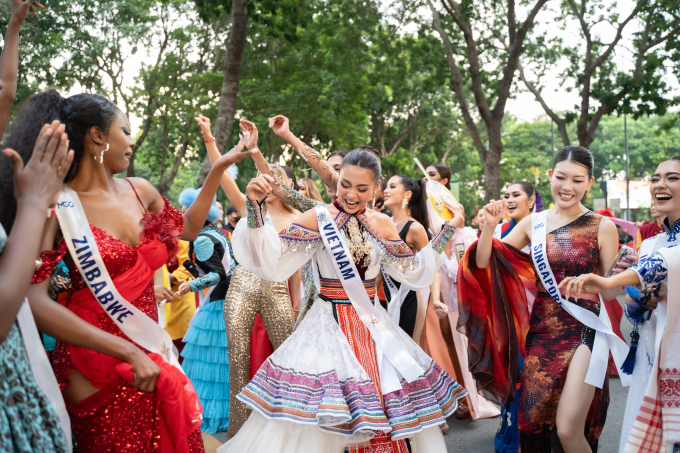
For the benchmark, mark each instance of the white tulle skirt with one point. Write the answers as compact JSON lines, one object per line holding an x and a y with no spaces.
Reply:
{"x":313,"y":395}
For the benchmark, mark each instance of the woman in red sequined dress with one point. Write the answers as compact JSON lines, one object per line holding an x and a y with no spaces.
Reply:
{"x":136,"y":230}
{"x":558,"y":411}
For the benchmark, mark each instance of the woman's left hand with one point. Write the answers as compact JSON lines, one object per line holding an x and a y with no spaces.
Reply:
{"x":250,"y":130}
{"x":626,"y":263}
{"x":183,"y":289}
{"x":441,"y":309}
{"x":458,"y":220}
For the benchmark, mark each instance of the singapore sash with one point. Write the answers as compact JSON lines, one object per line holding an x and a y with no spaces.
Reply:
{"x":386,"y":343}
{"x":81,"y":244}
{"x":605,"y":338}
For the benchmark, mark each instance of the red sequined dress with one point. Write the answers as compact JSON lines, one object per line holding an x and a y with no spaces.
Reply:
{"x":120,"y":418}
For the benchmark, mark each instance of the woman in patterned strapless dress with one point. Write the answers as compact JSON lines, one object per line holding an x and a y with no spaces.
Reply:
{"x":558,"y":411}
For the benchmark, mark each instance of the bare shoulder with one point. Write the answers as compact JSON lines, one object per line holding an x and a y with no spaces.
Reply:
{"x":148,"y":193}
{"x":383,"y":224}
{"x":608,"y":228}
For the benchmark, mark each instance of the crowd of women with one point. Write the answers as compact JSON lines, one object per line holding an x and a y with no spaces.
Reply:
{"x":355,"y":326}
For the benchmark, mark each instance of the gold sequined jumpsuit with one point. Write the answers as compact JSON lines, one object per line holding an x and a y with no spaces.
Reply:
{"x":249,"y":294}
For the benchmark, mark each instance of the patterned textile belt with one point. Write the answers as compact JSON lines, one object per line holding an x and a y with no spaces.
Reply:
{"x":333,"y":291}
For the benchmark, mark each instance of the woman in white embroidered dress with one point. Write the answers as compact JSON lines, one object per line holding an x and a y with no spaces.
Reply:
{"x":321,"y":390}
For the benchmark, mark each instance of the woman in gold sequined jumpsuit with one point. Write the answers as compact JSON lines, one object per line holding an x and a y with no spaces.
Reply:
{"x":248,"y":294}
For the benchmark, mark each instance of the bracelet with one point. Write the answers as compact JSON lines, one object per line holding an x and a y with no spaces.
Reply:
{"x":210,"y":140}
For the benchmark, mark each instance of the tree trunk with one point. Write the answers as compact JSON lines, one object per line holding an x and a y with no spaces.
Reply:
{"x":492,"y":185}
{"x":232,"y":74}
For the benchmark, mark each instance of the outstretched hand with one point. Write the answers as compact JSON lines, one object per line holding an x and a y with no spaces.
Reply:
{"x":258,"y":188}
{"x":250,"y":130}
{"x":204,"y":124}
{"x":21,"y":8}
{"x":280,"y":125}
{"x":41,"y":179}
{"x":586,"y":283}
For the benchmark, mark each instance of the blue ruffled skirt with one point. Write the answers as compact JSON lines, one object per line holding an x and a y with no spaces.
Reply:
{"x":206,"y":363}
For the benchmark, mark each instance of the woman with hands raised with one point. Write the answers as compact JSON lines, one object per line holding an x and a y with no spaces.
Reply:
{"x":344,"y":337}
{"x":558,"y":410}
{"x":248,"y":294}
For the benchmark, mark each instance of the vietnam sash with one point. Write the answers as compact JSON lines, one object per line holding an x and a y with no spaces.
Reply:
{"x":605,"y":338}
{"x":386,"y":343}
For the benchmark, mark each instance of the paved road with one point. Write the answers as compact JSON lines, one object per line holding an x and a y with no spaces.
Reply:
{"x":467,"y":436}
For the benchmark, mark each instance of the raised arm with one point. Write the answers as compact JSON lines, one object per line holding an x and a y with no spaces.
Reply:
{"x":518,"y":238}
{"x":36,"y":187}
{"x":280,"y":126}
{"x":9,"y":59}
{"x":235,"y":196}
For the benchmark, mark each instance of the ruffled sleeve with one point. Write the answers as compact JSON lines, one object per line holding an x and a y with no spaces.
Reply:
{"x":416,"y":272}
{"x":494,"y":306}
{"x":167,"y":226}
{"x":270,"y":255}
{"x":50,"y":260}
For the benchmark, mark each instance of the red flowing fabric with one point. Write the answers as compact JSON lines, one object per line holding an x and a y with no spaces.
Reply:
{"x":179,"y":407}
{"x":260,"y":346}
{"x":494,"y":305}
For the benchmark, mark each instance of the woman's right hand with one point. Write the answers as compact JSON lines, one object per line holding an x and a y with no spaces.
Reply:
{"x":280,"y":125}
{"x":258,"y":188}
{"x":144,"y":371}
{"x":458,"y":220}
{"x":204,"y":124}
{"x":494,"y":212}
{"x":41,"y":179}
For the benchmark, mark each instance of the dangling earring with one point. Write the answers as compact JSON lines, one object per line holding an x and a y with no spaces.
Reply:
{"x":101,"y":156}
{"x":404,"y":203}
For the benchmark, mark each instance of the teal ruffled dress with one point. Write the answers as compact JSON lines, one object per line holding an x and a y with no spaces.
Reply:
{"x":206,"y":356}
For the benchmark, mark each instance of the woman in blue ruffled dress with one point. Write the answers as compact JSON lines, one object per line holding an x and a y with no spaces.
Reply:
{"x":206,"y":355}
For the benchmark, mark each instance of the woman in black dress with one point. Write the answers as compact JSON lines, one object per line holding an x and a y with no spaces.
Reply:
{"x":407,"y":199}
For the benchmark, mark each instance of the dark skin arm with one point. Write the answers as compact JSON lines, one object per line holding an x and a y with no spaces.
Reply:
{"x":9,"y":59}
{"x":36,"y":187}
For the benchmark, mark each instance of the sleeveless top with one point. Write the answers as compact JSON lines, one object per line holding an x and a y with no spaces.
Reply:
{"x":573,"y":249}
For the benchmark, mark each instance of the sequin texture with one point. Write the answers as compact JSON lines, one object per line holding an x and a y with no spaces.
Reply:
{"x":554,"y":335}
{"x":248,"y":294}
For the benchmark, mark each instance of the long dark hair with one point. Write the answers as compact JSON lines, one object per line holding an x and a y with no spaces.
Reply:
{"x":79,"y":113}
{"x":417,"y":204}
{"x":444,"y":172}
{"x":576,"y":154}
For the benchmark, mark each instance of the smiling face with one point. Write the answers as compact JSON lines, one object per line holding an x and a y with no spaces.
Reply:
{"x":355,"y":188}
{"x":394,"y":192}
{"x":119,"y":138}
{"x":665,"y":189}
{"x":569,"y":183}
{"x":518,"y":202}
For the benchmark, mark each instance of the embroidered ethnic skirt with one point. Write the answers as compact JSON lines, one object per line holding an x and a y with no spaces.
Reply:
{"x":320,"y":391}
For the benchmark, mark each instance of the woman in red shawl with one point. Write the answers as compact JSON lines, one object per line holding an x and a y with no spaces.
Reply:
{"x":558,"y":411}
